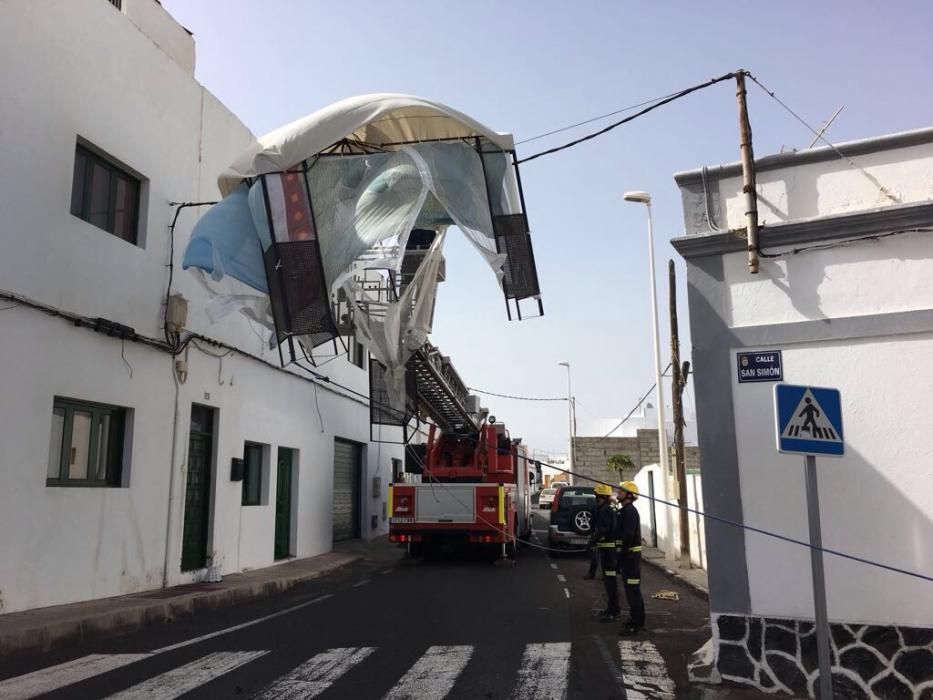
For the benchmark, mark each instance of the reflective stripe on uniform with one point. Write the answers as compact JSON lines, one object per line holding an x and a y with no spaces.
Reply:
{"x":605,"y":545}
{"x":609,"y":573}
{"x":631,"y":581}
{"x":635,"y":549}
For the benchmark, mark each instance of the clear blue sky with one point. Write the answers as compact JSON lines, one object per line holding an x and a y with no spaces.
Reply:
{"x":531,"y":66}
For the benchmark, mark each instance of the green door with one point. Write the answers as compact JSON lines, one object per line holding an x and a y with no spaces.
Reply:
{"x":197,"y":489}
{"x":283,"y":504}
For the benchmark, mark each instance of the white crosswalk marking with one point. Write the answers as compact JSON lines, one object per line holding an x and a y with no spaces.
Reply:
{"x":185,"y":678}
{"x":543,"y":674}
{"x":48,"y":679}
{"x":644,"y":674}
{"x":316,"y":674}
{"x":433,"y":675}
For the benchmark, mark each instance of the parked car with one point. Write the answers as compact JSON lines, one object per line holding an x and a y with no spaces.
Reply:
{"x":546,"y":497}
{"x":559,"y":484}
{"x":571,"y":517}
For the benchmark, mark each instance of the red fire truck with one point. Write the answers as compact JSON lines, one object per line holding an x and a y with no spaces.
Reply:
{"x":474,"y":489}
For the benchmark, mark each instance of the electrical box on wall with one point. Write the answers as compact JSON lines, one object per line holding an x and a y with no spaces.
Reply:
{"x":377,"y":486}
{"x":176,"y":313}
{"x":236,"y":469}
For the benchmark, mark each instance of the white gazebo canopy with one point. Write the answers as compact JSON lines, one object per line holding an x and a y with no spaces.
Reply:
{"x":380,"y":120}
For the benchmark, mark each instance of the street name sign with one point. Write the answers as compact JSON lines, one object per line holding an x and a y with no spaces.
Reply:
{"x":809,"y":420}
{"x":760,"y":366}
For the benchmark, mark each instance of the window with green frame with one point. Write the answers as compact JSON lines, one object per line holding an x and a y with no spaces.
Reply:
{"x":252,"y":474}
{"x":86,"y":444}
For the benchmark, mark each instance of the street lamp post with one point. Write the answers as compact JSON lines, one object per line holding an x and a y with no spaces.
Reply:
{"x":571,"y":454}
{"x":645,"y":198}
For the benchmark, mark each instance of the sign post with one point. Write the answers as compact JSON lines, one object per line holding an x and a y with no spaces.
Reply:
{"x":809,"y":422}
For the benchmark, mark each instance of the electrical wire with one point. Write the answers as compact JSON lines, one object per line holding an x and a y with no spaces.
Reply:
{"x":637,"y":405}
{"x":129,"y":367}
{"x":845,"y":242}
{"x":728,"y":521}
{"x":592,"y":119}
{"x":819,"y":135}
{"x":327,"y":382}
{"x":177,"y":347}
{"x":517,"y":398}
{"x":651,"y":107}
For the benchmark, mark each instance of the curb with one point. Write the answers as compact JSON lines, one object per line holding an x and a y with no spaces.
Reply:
{"x":675,"y":575}
{"x":148,"y":611}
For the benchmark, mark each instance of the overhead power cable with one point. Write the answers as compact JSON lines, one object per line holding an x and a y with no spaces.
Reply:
{"x":717,"y":518}
{"x":640,"y":402}
{"x":591,"y":120}
{"x":651,"y":107}
{"x":517,"y":398}
{"x":819,"y":135}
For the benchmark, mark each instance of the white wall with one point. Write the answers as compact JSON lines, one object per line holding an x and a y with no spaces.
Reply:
{"x":883,"y":276}
{"x":876,"y":501}
{"x":60,"y":545}
{"x":667,"y":524}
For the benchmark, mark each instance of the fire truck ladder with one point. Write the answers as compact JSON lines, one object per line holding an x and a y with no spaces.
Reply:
{"x":442,"y":395}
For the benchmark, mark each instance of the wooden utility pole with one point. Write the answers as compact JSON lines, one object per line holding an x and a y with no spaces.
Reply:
{"x":748,"y":174}
{"x":678,"y":382}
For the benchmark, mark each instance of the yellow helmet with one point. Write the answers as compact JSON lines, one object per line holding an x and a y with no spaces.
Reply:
{"x":629,"y":487}
{"x":602,"y":490}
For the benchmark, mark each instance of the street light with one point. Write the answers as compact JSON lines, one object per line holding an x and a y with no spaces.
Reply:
{"x":571,"y":455}
{"x":645,"y":198}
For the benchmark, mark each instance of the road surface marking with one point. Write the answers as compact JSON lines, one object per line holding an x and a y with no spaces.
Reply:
{"x":433,"y":675}
{"x":553,"y":565}
{"x":567,"y":592}
{"x":361,"y":583}
{"x":316,"y":674}
{"x":244,"y":625}
{"x":610,"y":662}
{"x":561,"y":578}
{"x":543,"y":673}
{"x":644,"y":674}
{"x":183,"y":679}
{"x":387,"y":571}
{"x":48,"y":679}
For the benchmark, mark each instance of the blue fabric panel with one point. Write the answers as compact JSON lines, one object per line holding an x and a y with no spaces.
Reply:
{"x":225,"y":242}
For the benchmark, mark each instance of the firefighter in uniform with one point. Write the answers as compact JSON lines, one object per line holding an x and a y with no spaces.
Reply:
{"x":604,"y":527}
{"x":628,"y":532}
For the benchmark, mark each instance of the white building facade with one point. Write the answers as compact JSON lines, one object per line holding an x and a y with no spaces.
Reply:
{"x":844,"y":294}
{"x":125,"y":467}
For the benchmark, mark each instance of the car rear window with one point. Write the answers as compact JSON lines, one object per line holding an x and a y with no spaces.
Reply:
{"x":570,"y":497}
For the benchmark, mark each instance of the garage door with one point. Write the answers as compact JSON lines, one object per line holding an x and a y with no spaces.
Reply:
{"x":347,"y":468}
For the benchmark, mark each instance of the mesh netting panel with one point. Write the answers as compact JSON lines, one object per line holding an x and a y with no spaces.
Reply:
{"x":381,"y":411}
{"x":520,"y":280}
{"x":300,"y":304}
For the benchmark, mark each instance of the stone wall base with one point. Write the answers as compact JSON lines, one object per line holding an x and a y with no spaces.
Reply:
{"x":777,"y":655}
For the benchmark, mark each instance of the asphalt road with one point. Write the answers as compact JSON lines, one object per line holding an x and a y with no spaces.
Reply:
{"x":443,"y":627}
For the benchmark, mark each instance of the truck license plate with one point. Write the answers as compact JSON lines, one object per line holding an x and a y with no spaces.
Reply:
{"x":402,"y":521}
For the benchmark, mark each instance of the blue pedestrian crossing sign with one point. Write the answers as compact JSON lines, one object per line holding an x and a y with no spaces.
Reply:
{"x":809,"y":420}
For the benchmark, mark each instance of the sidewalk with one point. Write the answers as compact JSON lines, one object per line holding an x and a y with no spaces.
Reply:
{"x":693,"y":577}
{"x":43,"y":628}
